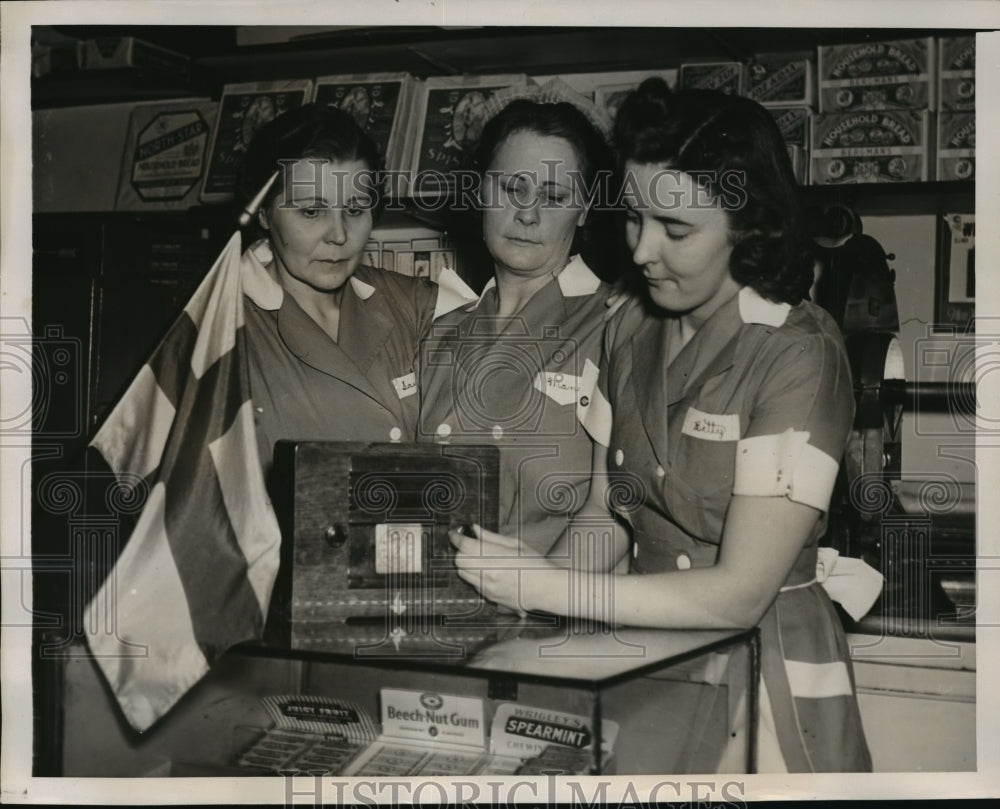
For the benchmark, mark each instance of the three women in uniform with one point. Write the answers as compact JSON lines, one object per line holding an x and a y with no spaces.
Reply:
{"x":721,"y":395}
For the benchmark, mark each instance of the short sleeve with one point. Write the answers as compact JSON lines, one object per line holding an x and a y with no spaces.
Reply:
{"x":799,"y":423}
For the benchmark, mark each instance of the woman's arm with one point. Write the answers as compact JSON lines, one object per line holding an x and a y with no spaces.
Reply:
{"x":593,"y":540}
{"x":783,"y":481}
{"x":761,"y":541}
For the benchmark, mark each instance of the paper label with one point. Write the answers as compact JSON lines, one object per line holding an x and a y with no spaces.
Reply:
{"x":711,"y":426}
{"x":405,"y":385}
{"x":561,"y":388}
{"x":522,"y":731}
{"x":430,"y":716}
{"x":399,"y":548}
{"x":320,"y":715}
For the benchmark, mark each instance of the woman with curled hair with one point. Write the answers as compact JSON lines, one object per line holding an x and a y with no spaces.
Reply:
{"x":333,"y":343}
{"x":518,"y":361}
{"x":724,"y":404}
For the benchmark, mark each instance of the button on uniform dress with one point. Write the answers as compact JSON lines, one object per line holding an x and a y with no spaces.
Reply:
{"x":522,"y":383}
{"x":759,"y":402}
{"x":361,"y":387}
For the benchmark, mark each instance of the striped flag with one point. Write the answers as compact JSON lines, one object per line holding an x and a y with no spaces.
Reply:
{"x":195,"y":576}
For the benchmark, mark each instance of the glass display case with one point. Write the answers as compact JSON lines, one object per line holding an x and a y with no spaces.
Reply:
{"x":540,"y":697}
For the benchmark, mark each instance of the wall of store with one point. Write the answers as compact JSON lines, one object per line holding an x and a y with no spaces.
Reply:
{"x":77,"y":155}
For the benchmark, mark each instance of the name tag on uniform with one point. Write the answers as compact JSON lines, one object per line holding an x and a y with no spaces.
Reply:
{"x":405,"y":385}
{"x":711,"y":426}
{"x":559,"y":387}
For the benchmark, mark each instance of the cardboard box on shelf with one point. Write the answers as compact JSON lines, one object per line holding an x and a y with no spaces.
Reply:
{"x":588,"y":83}
{"x":956,"y":146}
{"x":448,"y":116}
{"x":61,"y":57}
{"x":895,"y":75}
{"x":794,"y":124}
{"x":243,"y":109}
{"x":166,"y":150}
{"x":957,"y":73}
{"x":378,"y":102}
{"x":870,"y":147}
{"x":728,"y":77}
{"x":608,"y":89}
{"x":776,"y":79}
{"x":109,"y":52}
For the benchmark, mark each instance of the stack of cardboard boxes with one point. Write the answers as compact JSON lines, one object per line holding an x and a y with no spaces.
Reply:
{"x":873,"y":111}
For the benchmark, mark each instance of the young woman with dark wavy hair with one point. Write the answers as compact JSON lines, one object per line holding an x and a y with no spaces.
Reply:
{"x":724,"y":404}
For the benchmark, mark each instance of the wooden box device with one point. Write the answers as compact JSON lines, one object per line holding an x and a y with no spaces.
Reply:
{"x":366,"y":558}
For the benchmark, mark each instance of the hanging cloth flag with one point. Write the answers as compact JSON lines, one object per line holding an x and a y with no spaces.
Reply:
{"x":196,"y":574}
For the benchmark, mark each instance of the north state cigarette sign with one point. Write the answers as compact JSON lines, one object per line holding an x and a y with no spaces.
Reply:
{"x":169,"y":155}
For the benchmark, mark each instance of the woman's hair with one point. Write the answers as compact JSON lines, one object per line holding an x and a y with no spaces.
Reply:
{"x":558,"y":120}
{"x":734,"y":145}
{"x":309,"y":131}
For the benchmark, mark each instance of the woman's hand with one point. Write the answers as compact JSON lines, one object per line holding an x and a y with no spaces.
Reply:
{"x":500,"y":567}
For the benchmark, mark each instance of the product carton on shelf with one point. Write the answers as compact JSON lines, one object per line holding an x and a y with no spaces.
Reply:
{"x":956,"y":145}
{"x":378,"y":102}
{"x":608,"y":89}
{"x":794,"y":123}
{"x":957,"y":73}
{"x":781,"y":80}
{"x":895,"y":75}
{"x":110,"y":52}
{"x":243,"y":109}
{"x":166,"y":150}
{"x":57,"y":57}
{"x":448,"y":116}
{"x":874,"y":146}
{"x":727,"y":77}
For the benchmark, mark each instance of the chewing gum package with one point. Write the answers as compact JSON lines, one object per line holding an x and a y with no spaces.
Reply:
{"x":548,"y":740}
{"x":310,"y":734}
{"x":870,"y":147}
{"x":957,"y":73}
{"x":956,"y":146}
{"x":897,"y":75}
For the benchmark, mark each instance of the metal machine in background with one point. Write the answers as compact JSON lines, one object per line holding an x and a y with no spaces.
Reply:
{"x":928,"y":558}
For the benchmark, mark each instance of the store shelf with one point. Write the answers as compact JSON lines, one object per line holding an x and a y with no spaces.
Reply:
{"x":431,"y":51}
{"x":120,"y":85}
{"x":895,"y":199}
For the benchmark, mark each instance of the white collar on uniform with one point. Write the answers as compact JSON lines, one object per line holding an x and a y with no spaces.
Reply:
{"x":258,"y":286}
{"x":575,"y":280}
{"x":361,"y":289}
{"x":754,"y":308}
{"x":267,"y":293}
{"x":452,"y":292}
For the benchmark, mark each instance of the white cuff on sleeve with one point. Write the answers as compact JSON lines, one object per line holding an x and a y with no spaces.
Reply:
{"x":785,"y":465}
